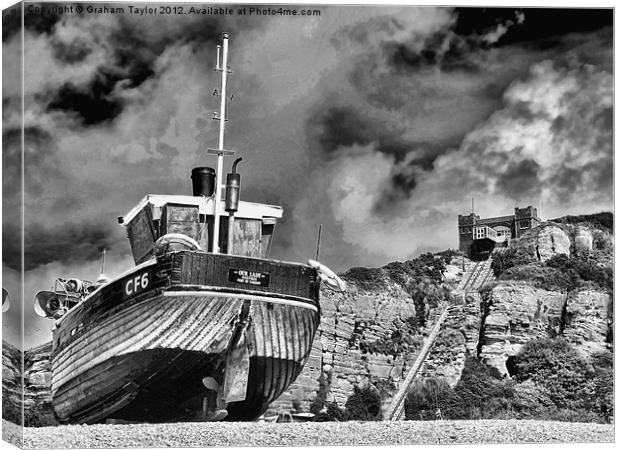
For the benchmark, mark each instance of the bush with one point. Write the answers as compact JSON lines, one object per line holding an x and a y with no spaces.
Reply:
{"x":560,"y":369}
{"x":331,"y":413}
{"x":364,"y":404}
{"x":603,"y":400}
{"x":427,"y":296}
{"x":531,"y":401}
{"x":478,"y":390}
{"x":581,"y":271}
{"x":425,"y":398}
{"x":556,"y":383}
{"x":318,"y":402}
{"x":511,"y":257}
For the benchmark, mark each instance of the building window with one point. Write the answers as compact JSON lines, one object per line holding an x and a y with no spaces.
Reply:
{"x":524,"y":224}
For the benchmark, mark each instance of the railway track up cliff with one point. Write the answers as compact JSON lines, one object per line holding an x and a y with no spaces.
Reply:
{"x":396,"y":409}
{"x":474,"y":279}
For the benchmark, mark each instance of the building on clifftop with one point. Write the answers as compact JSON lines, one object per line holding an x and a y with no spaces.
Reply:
{"x":478,"y":237}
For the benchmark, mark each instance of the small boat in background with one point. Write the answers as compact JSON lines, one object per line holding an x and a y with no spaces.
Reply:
{"x":187,"y":332}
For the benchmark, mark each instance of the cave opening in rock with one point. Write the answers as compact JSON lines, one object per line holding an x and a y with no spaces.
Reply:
{"x":511,"y":365}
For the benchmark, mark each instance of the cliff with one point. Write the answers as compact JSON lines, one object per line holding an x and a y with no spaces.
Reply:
{"x":555,"y":281}
{"x":35,"y":378}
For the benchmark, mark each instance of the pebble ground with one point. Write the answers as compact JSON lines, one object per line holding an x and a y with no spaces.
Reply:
{"x":241,"y":434}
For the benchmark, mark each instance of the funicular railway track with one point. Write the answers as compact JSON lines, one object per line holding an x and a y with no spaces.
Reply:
{"x":474,"y":279}
{"x":396,"y":409}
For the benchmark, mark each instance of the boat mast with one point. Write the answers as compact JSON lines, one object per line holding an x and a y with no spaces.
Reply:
{"x":220,"y":151}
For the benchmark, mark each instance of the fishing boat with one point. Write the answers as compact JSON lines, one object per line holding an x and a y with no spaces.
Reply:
{"x":205,"y":324}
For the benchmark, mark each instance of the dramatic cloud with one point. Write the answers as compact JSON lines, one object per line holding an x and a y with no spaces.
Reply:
{"x":379,"y":123}
{"x":551,"y":142}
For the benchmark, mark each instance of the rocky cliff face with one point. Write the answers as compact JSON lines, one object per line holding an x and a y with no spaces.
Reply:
{"x":34,"y":380}
{"x":492,"y":326}
{"x":517,"y":313}
{"x":579,"y":308}
{"x":366,"y":316}
{"x":12,"y":383}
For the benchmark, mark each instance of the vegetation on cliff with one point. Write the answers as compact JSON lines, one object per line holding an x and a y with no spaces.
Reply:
{"x":422,"y":279}
{"x":426,"y":268}
{"x":603,"y":221}
{"x":591,"y":267}
{"x":550,"y":381}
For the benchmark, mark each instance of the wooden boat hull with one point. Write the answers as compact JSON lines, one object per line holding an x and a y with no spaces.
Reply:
{"x":143,"y":356}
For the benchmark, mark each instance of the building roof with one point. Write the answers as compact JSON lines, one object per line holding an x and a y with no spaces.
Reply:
{"x":247,"y":210}
{"x":490,"y":220}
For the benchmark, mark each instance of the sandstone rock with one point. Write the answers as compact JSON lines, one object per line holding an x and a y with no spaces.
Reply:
{"x":9,"y":373}
{"x":40,"y":379}
{"x":583,"y":240}
{"x":543,"y":242}
{"x":587,"y":320}
{"x":518,"y":313}
{"x":41,"y":365}
{"x":552,"y":241}
{"x":453,"y":273}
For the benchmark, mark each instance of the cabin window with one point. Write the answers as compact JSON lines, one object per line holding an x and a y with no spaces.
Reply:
{"x":142,"y":235}
{"x":267,"y":230}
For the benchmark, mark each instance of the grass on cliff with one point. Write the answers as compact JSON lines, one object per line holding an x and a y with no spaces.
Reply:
{"x":602,"y":221}
{"x":428,"y":267}
{"x":559,"y":273}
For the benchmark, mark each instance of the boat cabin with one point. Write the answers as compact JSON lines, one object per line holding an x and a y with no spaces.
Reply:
{"x":253,"y":224}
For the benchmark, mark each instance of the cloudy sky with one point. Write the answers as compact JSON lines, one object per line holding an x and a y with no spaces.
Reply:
{"x":380,"y":123}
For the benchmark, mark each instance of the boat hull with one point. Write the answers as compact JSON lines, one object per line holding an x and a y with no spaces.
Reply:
{"x":144,"y":357}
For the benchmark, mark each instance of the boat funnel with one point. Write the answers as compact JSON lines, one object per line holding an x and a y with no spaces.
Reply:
{"x":203,"y":181}
{"x":233,"y":183}
{"x":6,"y":300}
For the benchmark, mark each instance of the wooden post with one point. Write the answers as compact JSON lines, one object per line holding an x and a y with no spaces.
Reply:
{"x":231,"y":232}
{"x":318,"y":242}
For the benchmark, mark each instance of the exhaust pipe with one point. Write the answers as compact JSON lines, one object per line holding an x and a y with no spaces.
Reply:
{"x":233,"y":182}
